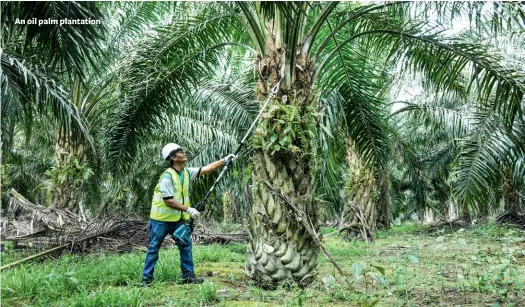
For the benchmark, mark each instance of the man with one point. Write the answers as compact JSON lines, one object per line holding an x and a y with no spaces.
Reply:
{"x":171,"y":207}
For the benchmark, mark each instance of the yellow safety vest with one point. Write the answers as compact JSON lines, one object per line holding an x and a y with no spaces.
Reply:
{"x":163,"y":213}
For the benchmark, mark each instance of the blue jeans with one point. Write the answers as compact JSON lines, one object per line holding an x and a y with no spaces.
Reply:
{"x":157,"y":231}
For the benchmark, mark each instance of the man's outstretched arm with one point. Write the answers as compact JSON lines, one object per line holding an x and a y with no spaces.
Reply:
{"x":211,"y":167}
{"x":215,"y":165}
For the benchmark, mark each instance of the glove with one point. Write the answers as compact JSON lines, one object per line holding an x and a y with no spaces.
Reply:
{"x":233,"y":157}
{"x":193,"y":212}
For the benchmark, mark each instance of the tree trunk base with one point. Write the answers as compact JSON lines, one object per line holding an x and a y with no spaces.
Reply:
{"x":356,"y":232}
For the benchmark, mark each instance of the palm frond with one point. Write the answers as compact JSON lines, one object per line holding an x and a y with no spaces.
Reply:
{"x":30,"y":90}
{"x":233,"y":103}
{"x":176,"y":57}
{"x":332,"y":145}
{"x":437,"y":117}
{"x":421,"y":47}
{"x":500,"y":88}
{"x":253,"y":25}
{"x":361,"y":89}
{"x":479,"y":164}
{"x":66,"y":48}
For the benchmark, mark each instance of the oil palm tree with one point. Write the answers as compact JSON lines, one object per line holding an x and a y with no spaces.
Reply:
{"x":73,"y":80}
{"x":38,"y":63}
{"x":37,"y":60}
{"x":314,"y":50}
{"x":462,"y":154}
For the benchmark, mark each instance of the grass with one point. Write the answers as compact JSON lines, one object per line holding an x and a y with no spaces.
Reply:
{"x":405,"y":267}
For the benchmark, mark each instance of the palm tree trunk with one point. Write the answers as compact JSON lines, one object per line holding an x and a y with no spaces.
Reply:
{"x":384,"y":211}
{"x":244,"y":211}
{"x":466,"y":215}
{"x":361,"y":212}
{"x":280,"y":248}
{"x":64,"y":187}
{"x":511,"y":197}
{"x":452,"y":212}
{"x":227,"y":207}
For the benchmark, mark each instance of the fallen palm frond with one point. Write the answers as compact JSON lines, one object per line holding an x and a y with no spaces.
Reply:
{"x":443,"y":226}
{"x":34,"y":226}
{"x":512,"y":218}
{"x":219,"y":238}
{"x":25,"y":218}
{"x":38,"y":226}
{"x":47,"y":252}
{"x":360,"y":227}
{"x":206,"y":232}
{"x":31,"y":225}
{"x":87,"y":240}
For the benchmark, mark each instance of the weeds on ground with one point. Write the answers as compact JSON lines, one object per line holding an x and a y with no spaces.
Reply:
{"x":208,"y":293}
{"x":71,"y":275}
{"x":210,"y":253}
{"x":477,"y":266}
{"x":115,"y":297}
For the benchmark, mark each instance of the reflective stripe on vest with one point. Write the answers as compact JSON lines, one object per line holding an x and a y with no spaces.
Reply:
{"x":166,"y":211}
{"x":159,"y":210}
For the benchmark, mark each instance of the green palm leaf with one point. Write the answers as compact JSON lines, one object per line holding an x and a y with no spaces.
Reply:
{"x":176,"y":57}
{"x":66,"y":48}
{"x":488,"y":149}
{"x":27,"y":90}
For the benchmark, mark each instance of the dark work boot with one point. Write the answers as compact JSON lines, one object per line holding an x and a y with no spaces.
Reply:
{"x":145,"y":283}
{"x":192,"y":279}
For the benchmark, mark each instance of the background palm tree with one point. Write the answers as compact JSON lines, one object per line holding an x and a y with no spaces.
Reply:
{"x":37,"y":61}
{"x":470,"y":158}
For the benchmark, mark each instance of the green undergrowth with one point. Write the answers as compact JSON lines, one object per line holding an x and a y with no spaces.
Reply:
{"x":480,"y":266}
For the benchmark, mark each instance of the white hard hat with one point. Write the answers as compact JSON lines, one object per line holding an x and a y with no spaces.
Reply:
{"x":169,"y":148}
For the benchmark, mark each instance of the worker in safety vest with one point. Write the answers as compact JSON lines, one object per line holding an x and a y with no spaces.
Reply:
{"x":171,"y":207}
